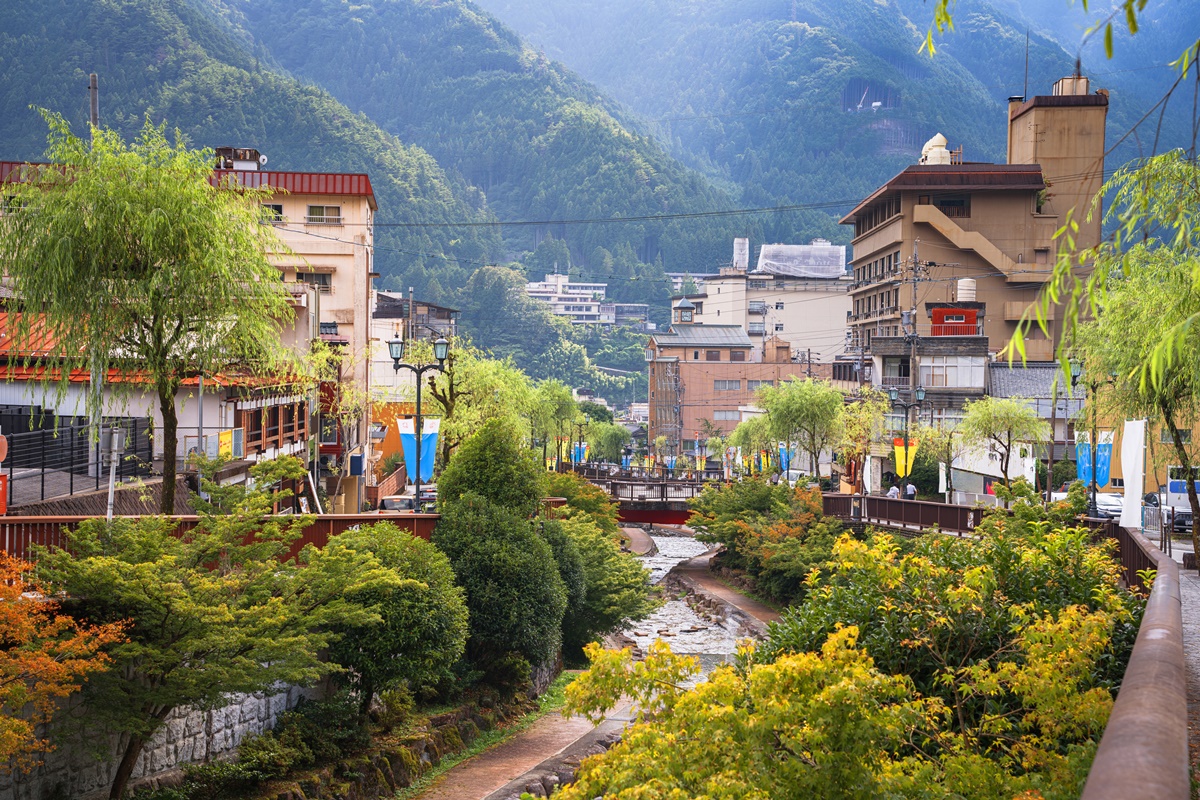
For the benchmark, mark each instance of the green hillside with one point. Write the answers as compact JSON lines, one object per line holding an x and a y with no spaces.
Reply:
{"x":171,"y":62}
{"x":541,"y":144}
{"x":766,"y":95}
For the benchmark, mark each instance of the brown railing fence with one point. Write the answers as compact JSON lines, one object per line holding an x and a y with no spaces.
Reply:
{"x":18,"y":535}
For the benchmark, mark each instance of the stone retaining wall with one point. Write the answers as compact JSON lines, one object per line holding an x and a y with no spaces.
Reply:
{"x":75,"y":770}
{"x":712,"y":607}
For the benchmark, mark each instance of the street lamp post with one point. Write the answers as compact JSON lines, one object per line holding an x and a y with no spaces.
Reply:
{"x":441,"y":349}
{"x":894,"y":396}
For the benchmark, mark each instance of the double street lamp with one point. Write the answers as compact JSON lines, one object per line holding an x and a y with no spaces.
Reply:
{"x":894,"y":396}
{"x":441,"y":350}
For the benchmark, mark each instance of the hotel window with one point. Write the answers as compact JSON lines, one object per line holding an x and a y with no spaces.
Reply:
{"x":737,"y":355}
{"x":779,"y":327}
{"x":962,"y":372}
{"x":695,"y":355}
{"x":712,"y":355}
{"x":779,"y":306}
{"x":727,"y":386}
{"x":324,"y":215}
{"x":723,"y":415}
{"x":321,"y":280}
{"x":273,"y":213}
{"x":752,"y":385}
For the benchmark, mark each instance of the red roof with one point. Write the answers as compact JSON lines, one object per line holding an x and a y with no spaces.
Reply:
{"x":355,"y":184}
{"x":328,"y":183}
{"x":961,"y":177}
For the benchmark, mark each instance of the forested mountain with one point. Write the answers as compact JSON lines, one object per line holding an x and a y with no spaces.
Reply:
{"x":167,"y":61}
{"x":540,"y":143}
{"x":803,"y":101}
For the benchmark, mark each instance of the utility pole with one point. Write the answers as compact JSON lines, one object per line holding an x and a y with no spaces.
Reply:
{"x":809,"y":360}
{"x":94,"y":100}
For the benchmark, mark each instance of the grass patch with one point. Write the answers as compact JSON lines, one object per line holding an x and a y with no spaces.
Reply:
{"x":552,"y":700}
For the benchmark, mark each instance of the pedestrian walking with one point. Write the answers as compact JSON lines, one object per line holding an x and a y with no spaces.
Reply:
{"x":910,"y":491}
{"x":894,"y":492}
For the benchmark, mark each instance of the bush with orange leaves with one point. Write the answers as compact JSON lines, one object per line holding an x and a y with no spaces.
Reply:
{"x":776,"y":534}
{"x":44,"y":657}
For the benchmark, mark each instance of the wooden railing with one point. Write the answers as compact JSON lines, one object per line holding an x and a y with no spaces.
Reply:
{"x":18,"y":535}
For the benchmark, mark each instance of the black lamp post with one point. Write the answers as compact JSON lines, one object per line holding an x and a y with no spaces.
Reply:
{"x":894,"y":396}
{"x":1093,"y":511}
{"x":441,"y":349}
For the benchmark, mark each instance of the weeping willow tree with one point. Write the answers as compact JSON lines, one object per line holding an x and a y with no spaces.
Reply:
{"x":129,"y":262}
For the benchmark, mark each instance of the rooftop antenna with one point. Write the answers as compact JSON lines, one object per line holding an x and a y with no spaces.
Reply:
{"x":1026,"y":92}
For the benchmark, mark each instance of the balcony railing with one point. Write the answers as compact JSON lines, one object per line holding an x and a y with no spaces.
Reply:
{"x":956,"y":329}
{"x":323,"y":220}
{"x":758,"y":308}
{"x":897,"y":381}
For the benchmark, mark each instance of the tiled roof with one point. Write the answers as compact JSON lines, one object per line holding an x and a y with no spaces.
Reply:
{"x":1032,"y":380}
{"x":704,"y":336}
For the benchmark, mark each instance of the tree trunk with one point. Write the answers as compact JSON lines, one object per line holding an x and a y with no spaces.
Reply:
{"x":125,"y":768}
{"x":1185,"y":464}
{"x":166,"y":406}
{"x":367,"y":688}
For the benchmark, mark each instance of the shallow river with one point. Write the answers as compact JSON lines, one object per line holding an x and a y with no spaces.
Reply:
{"x":675,"y":622}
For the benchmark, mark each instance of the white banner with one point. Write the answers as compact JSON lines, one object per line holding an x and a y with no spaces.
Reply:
{"x":1133,"y":467}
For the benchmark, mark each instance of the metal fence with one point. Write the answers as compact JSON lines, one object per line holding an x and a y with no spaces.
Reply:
{"x":69,"y":459}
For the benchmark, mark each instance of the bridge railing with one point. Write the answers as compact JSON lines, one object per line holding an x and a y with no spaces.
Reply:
{"x":651,"y":492}
{"x":916,"y":515}
{"x":1144,"y":750}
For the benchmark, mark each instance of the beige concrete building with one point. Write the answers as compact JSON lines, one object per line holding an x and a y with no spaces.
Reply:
{"x":326,"y":220}
{"x":797,"y":293}
{"x":944,"y":220}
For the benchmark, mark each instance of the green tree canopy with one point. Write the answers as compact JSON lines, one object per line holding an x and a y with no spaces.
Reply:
{"x":221,"y":610}
{"x":515,"y":597}
{"x":422,"y":627}
{"x":1003,"y":424}
{"x":808,"y":412}
{"x":136,"y":262}
{"x":494,"y":465}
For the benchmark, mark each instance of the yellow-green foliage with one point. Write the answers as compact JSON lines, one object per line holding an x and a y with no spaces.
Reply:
{"x":957,"y":669}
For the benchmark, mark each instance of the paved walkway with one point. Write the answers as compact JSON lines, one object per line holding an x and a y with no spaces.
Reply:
{"x":697,"y":570}
{"x":640,"y":542}
{"x":1189,"y":593}
{"x":494,"y":769}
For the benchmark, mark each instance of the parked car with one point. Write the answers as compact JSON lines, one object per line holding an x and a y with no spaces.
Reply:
{"x":1109,"y":504}
{"x":396,"y":504}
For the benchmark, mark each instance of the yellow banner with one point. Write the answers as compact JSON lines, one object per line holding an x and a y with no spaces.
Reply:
{"x":225,"y":444}
{"x":903,"y":467}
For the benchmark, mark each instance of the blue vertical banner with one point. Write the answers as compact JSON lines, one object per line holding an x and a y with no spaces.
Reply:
{"x":408,"y":442}
{"x":1104,"y":458}
{"x":1083,"y":461}
{"x":785,"y":457}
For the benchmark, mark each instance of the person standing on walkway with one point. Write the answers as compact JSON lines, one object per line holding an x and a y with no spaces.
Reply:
{"x":910,"y":491}
{"x":894,"y":492}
